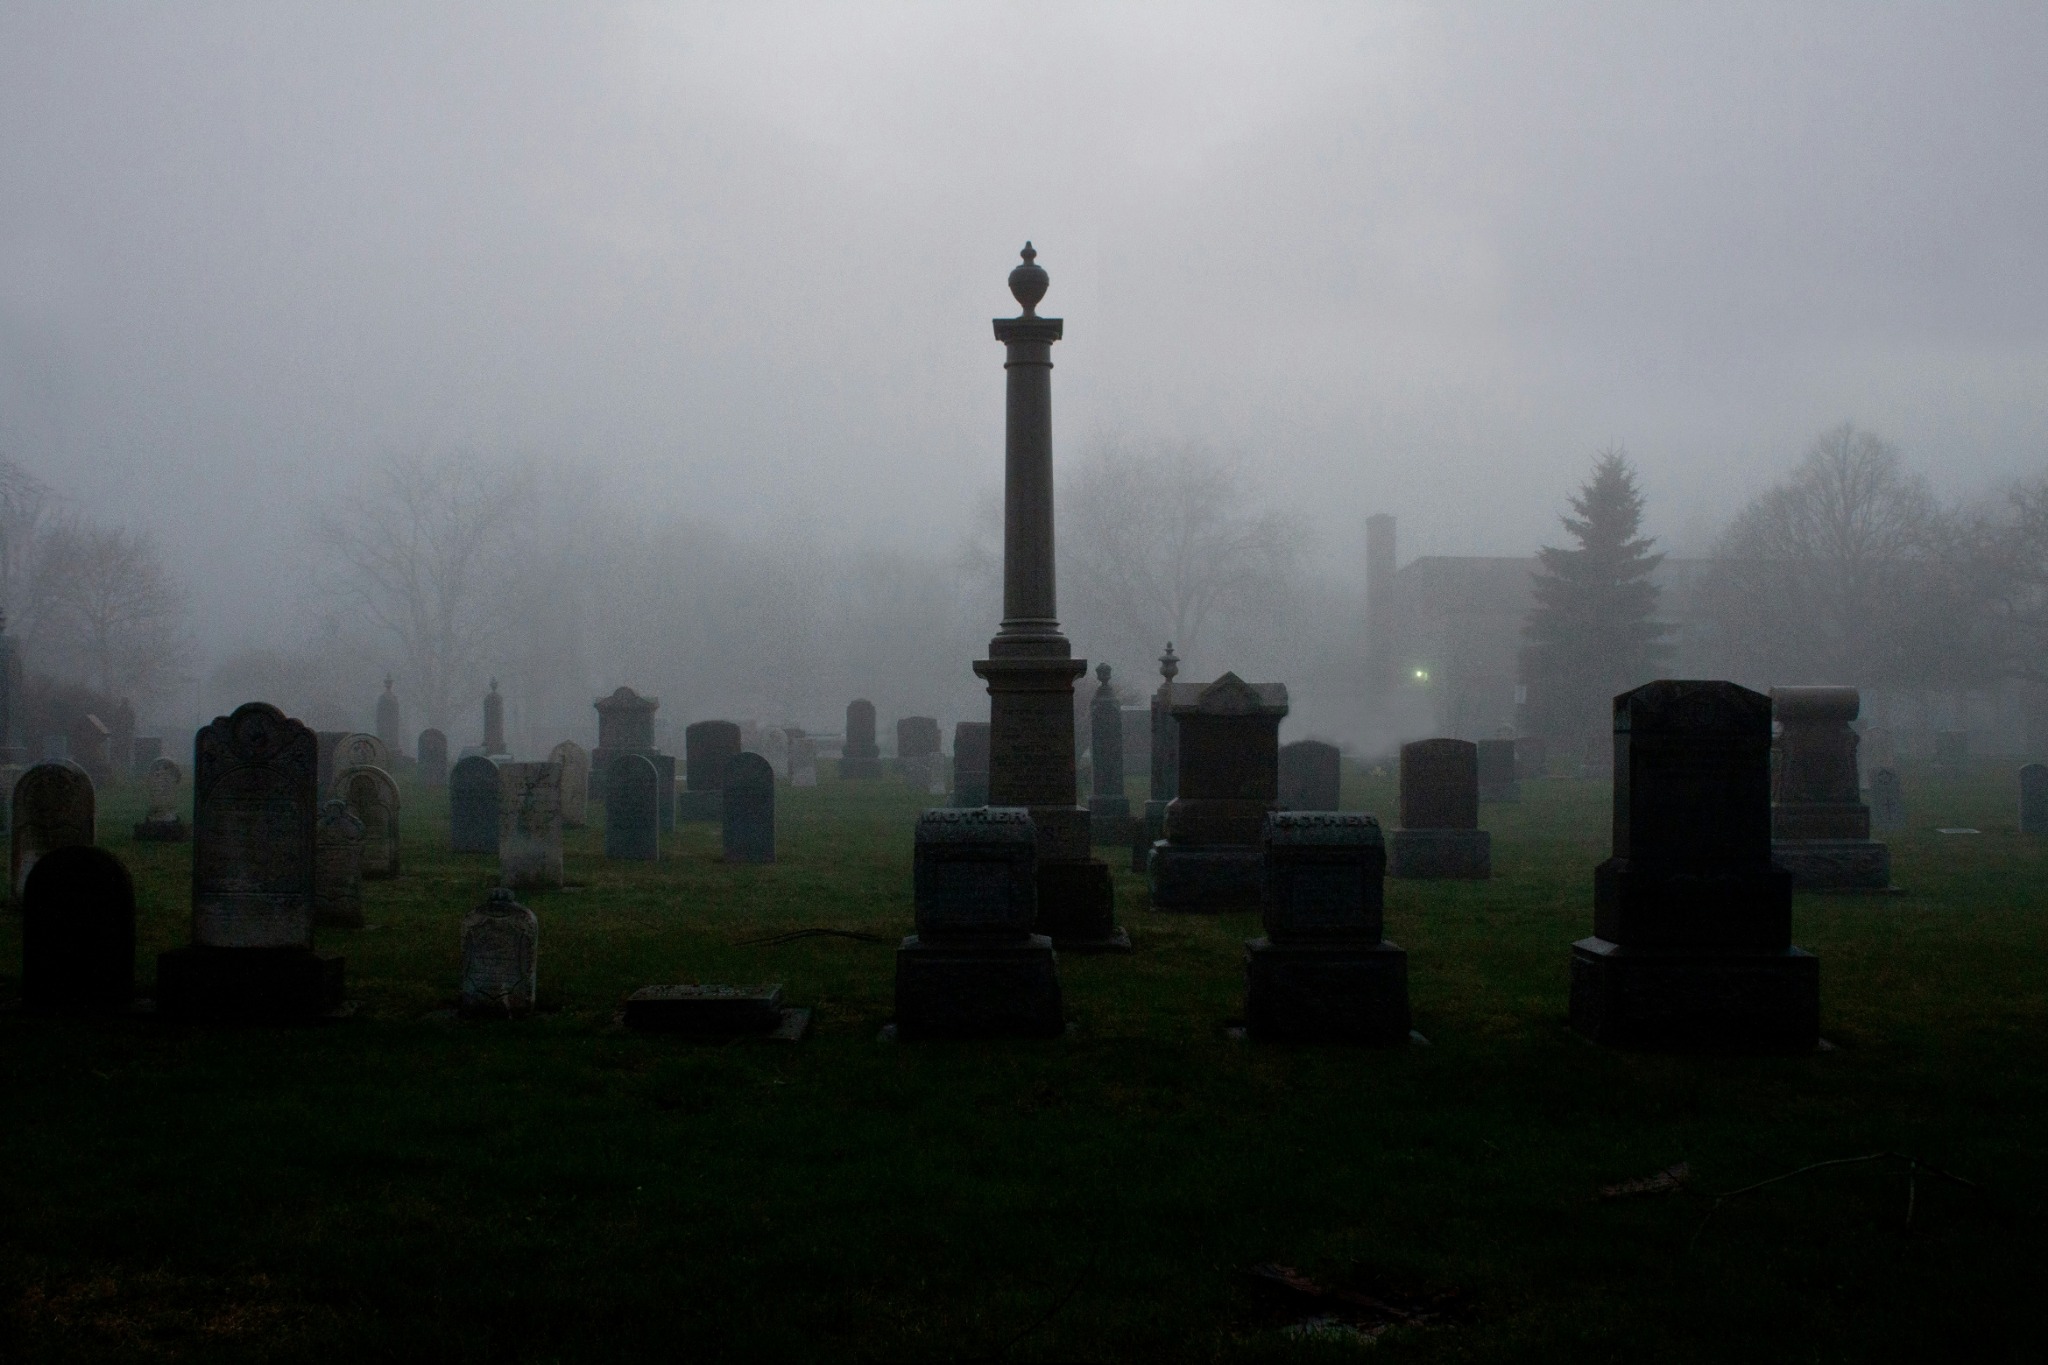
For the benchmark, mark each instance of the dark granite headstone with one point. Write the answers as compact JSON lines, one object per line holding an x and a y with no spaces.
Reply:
{"x":708,"y":746}
{"x":78,"y":933}
{"x":1109,"y":807}
{"x":1440,"y":836}
{"x":749,"y":809}
{"x":1229,"y":781}
{"x":2034,"y":799}
{"x":1310,"y":771}
{"x":974,"y":969}
{"x":433,"y":759}
{"x":500,"y":951}
{"x":970,"y":763}
{"x":860,"y":758}
{"x":1324,"y":972}
{"x":473,"y":806}
{"x":665,"y":793}
{"x":1498,"y":779}
{"x":1820,"y":828}
{"x":391,"y":721}
{"x":338,"y":868}
{"x":53,"y":807}
{"x":632,"y":812}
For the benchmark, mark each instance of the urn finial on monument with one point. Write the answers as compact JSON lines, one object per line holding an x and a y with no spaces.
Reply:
{"x":1169,"y":664}
{"x":1028,"y":282}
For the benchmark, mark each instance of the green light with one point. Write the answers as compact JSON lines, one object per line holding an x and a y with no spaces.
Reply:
{"x":1422,"y":675}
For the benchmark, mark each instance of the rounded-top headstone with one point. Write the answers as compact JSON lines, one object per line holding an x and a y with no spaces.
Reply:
{"x":632,"y":809}
{"x":53,"y":807}
{"x":749,"y":809}
{"x":78,"y":932}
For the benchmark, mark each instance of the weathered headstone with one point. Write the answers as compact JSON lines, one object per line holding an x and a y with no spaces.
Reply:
{"x":78,"y":933}
{"x":1887,"y":802}
{"x":1820,"y":828}
{"x":494,"y":723}
{"x":1164,"y":759}
{"x":1498,"y":780}
{"x":1324,"y":972}
{"x":473,"y":806}
{"x":803,"y":761}
{"x":749,"y":809}
{"x":1229,"y":781}
{"x":974,"y":969}
{"x":433,"y":759}
{"x":917,"y":750}
{"x":255,"y":804}
{"x":860,"y":758}
{"x":53,"y":807}
{"x":632,"y":812}
{"x":1310,"y":772}
{"x":708,"y":746}
{"x":1109,"y":806}
{"x":162,"y":823}
{"x":500,"y":952}
{"x":574,"y":761}
{"x":372,"y":798}
{"x":1692,"y":921}
{"x":338,"y":868}
{"x":1440,"y":836}
{"x":361,"y":751}
{"x":530,"y":825}
{"x":2034,"y":799}
{"x":390,"y":721}
{"x":970,"y":763}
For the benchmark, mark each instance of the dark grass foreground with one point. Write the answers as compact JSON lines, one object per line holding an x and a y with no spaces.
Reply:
{"x":403,"y":1187}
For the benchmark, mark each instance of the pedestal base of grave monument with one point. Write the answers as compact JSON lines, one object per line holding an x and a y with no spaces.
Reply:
{"x":1213,"y":879}
{"x":162,"y":832}
{"x":705,"y":1011}
{"x":859,"y":769}
{"x":261,"y":985}
{"x":1835,"y":864}
{"x":1326,"y":992}
{"x":1695,"y":1000}
{"x":1148,"y":830}
{"x":1501,"y":793}
{"x":1440,"y":854}
{"x":1726,"y":912}
{"x":1077,"y":908}
{"x":963,"y":989}
{"x":700,"y":808}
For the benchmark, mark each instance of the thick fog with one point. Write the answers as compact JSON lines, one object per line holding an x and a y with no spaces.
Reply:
{"x":715,"y":283}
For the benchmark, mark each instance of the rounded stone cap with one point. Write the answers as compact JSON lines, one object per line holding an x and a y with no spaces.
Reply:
{"x":1102,"y":673}
{"x":1028,"y":282}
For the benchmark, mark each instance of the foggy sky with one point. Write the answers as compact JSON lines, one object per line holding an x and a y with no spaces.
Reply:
{"x":736,"y":263}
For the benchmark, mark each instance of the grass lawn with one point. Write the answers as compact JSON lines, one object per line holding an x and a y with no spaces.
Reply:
{"x":400,"y":1186}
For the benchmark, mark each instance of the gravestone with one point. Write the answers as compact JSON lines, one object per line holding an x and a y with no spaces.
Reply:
{"x":329,"y":742}
{"x":2034,"y":799}
{"x":1309,"y":775}
{"x":78,"y":933}
{"x":749,"y":809}
{"x":372,"y":798}
{"x":361,"y":751}
{"x":1440,"y":838}
{"x":530,"y":825}
{"x":473,"y":806}
{"x":625,"y":725}
{"x":713,"y":1012}
{"x":1211,"y":859}
{"x":162,"y":823}
{"x":494,"y":723}
{"x":970,"y":763}
{"x":574,"y":761}
{"x":860,"y":759}
{"x":632,"y":811}
{"x":1820,"y":828}
{"x":1532,"y":757}
{"x":917,"y":750}
{"x":974,"y":969}
{"x":500,"y":952}
{"x":1887,"y":802}
{"x":803,"y":761}
{"x":1324,"y":972}
{"x":53,"y":807}
{"x":338,"y":868}
{"x":1692,"y":921}
{"x":390,"y":721}
{"x":144,"y":750}
{"x":775,"y":748}
{"x":1137,"y":727}
{"x":665,"y":789}
{"x":1164,"y":759}
{"x":1498,"y":781}
{"x":1109,"y":806}
{"x":433,"y":759}
{"x":708,"y":746}
{"x":255,"y":805}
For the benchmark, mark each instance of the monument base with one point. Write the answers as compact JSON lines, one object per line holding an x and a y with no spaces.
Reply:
{"x":962,"y":989}
{"x":705,"y":1011}
{"x":1688,"y":1000}
{"x":274,"y":985}
{"x":859,"y":769}
{"x":1326,"y":993}
{"x":1213,"y":879}
{"x":1440,"y":854}
{"x":1834,"y":864}
{"x":700,"y":808}
{"x":1077,"y":908}
{"x":172,"y":831}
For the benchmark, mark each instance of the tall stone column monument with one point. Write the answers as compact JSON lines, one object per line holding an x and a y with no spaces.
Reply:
{"x":1030,"y":668}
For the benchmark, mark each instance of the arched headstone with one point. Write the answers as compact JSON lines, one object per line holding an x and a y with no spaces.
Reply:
{"x":749,"y":809}
{"x":500,"y":948}
{"x":53,"y":807}
{"x":530,"y":825}
{"x":361,"y":751}
{"x":433,"y":759}
{"x":78,"y":932}
{"x":632,"y":810}
{"x":473,"y":806}
{"x":372,"y":798}
{"x":161,"y":785}
{"x":338,"y":868}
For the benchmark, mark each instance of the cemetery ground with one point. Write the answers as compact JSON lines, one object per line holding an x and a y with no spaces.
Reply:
{"x":403,"y":1185}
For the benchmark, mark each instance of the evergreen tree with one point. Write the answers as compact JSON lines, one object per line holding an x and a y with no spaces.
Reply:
{"x":1590,"y":635}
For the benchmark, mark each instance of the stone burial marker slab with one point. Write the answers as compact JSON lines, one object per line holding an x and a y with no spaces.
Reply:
{"x":974,"y":969}
{"x":574,"y":761}
{"x":708,"y":746}
{"x":1309,"y":773}
{"x":2034,"y":799}
{"x":1109,"y":806}
{"x":473,"y":806}
{"x":53,"y":807}
{"x":162,"y":823}
{"x":1820,"y":828}
{"x":530,"y":825}
{"x":1498,"y":778}
{"x":749,"y":810}
{"x":338,"y":868}
{"x":78,"y":933}
{"x":1692,"y":921}
{"x":803,"y":761}
{"x":1887,"y":802}
{"x":632,"y":811}
{"x":372,"y":798}
{"x":254,"y":811}
{"x":361,"y":751}
{"x":433,"y":759}
{"x":1324,"y":973}
{"x":860,"y":758}
{"x":1440,"y":836}
{"x":714,"y":1012}
{"x":500,"y":951}
{"x":970,"y":763}
{"x":1229,"y":781}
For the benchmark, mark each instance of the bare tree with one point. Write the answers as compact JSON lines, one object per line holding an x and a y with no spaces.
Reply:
{"x":107,"y":610}
{"x":24,"y":508}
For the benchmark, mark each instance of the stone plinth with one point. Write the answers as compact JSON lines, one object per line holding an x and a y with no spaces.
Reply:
{"x":1820,"y":828}
{"x":1228,"y":776}
{"x":1323,"y":972}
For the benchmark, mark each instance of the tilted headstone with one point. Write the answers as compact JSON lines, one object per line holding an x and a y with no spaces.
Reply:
{"x":53,"y":807}
{"x":749,"y":809}
{"x":530,"y":825}
{"x":1310,"y":771}
{"x":1887,"y":802}
{"x":494,"y":723}
{"x":574,"y":761}
{"x":974,"y":969}
{"x":970,"y":763}
{"x":708,"y":746}
{"x":361,"y":751}
{"x":338,"y":868}
{"x":473,"y":806}
{"x":632,"y":811}
{"x":1229,"y":781}
{"x":1498,"y":777}
{"x":78,"y":933}
{"x":500,"y":958}
{"x":1820,"y":828}
{"x":372,"y":798}
{"x":1109,"y":807}
{"x":803,"y":761}
{"x":390,"y":722}
{"x":433,"y":759}
{"x":860,"y":758}
{"x":162,"y":786}
{"x":1324,"y":972}
{"x":1440,"y":836}
{"x":1692,"y":920}
{"x":2034,"y":799}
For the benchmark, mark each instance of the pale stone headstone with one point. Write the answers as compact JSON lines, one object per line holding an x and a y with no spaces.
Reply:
{"x":53,"y":807}
{"x":78,"y":932}
{"x":574,"y":761}
{"x":530,"y":825}
{"x":2034,"y":799}
{"x":803,"y":761}
{"x":433,"y":759}
{"x":1309,"y":775}
{"x":749,"y":809}
{"x":500,"y":952}
{"x":632,"y":811}
{"x":57,"y":748}
{"x":161,"y":786}
{"x":860,"y":758}
{"x":1324,"y":972}
{"x":1887,"y":802}
{"x":372,"y":798}
{"x":361,"y":751}
{"x":338,"y":868}
{"x":473,"y":806}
